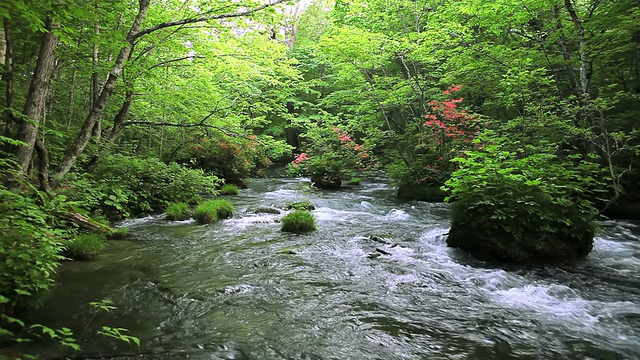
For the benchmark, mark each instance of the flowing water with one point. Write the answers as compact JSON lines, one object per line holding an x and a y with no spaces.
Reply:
{"x":241,"y":289}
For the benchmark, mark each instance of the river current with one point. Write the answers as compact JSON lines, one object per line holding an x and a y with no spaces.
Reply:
{"x":242,"y":289}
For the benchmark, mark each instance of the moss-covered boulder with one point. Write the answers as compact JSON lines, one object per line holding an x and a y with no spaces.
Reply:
{"x":421,"y":193}
{"x":469,"y":232}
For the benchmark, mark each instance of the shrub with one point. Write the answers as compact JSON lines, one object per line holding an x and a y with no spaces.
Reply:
{"x":178,"y":211}
{"x":123,"y":185}
{"x":301,"y":205}
{"x":299,"y":221}
{"x":517,"y":207}
{"x":117,"y":234}
{"x":85,"y":246}
{"x":229,"y":189}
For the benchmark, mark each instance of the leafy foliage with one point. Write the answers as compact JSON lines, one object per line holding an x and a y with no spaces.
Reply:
{"x":124,"y":185}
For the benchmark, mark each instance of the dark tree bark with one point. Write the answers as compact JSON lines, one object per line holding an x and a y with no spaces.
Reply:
{"x":36,"y":98}
{"x":8,"y":62}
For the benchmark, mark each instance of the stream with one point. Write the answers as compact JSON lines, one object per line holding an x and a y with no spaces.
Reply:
{"x":242,"y":289}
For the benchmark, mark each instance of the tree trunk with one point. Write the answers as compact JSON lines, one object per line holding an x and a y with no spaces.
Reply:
{"x":43,"y":165}
{"x":36,"y":98}
{"x":8,"y":61}
{"x":78,"y":146}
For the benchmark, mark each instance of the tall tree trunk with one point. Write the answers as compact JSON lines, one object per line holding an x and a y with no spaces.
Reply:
{"x":36,"y":98}
{"x":8,"y":61}
{"x":43,"y":165}
{"x":78,"y":146}
{"x":3,"y":46}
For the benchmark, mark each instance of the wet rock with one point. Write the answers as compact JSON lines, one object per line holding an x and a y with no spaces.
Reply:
{"x":374,"y":255}
{"x":542,"y":247}
{"x":301,"y":205}
{"x":383,"y":252}
{"x":381,"y":239}
{"x":421,"y":193}
{"x":265,"y":210}
{"x":326,"y":181}
{"x":289,"y":252}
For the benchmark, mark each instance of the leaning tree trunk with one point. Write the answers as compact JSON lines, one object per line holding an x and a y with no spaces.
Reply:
{"x":78,"y":146}
{"x":36,"y":99}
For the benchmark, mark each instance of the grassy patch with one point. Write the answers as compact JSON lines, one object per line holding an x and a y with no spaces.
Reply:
{"x":299,"y":221}
{"x":212,"y":210}
{"x":85,"y":246}
{"x":229,"y":190}
{"x":178,"y":211}
{"x":117,"y":234}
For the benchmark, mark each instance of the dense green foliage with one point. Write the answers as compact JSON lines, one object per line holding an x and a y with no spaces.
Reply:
{"x":123,"y":185}
{"x":299,"y":221}
{"x":178,"y":211}
{"x":527,"y":111}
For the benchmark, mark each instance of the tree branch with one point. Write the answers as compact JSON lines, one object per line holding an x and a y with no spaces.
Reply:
{"x":204,"y":18}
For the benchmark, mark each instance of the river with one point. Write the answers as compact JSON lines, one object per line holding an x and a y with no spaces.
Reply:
{"x":242,"y":289}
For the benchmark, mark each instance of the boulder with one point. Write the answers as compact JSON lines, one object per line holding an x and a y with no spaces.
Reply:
{"x":326,"y":181}
{"x":542,"y":247}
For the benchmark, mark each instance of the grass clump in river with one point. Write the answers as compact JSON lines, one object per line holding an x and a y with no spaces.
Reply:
{"x":117,"y":234}
{"x":212,"y":210}
{"x":85,"y":246}
{"x":229,"y":189}
{"x":301,"y":205}
{"x":178,"y":211}
{"x":299,"y":221}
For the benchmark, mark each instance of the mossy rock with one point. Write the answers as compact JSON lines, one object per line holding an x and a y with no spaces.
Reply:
{"x":421,"y":193}
{"x":301,"y":205}
{"x":326,"y":181}
{"x":299,"y":221}
{"x":566,"y":243}
{"x":117,"y":234}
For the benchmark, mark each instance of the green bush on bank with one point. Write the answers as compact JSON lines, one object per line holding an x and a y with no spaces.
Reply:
{"x":178,"y":211}
{"x":122,"y":185}
{"x":212,"y":210}
{"x":299,"y":221}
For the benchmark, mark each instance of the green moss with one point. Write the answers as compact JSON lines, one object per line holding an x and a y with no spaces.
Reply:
{"x":354,"y":181}
{"x":178,"y":211}
{"x":299,"y":221}
{"x":229,"y":190}
{"x":117,"y":234}
{"x":85,"y":246}
{"x":212,"y":210}
{"x":302,"y":205}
